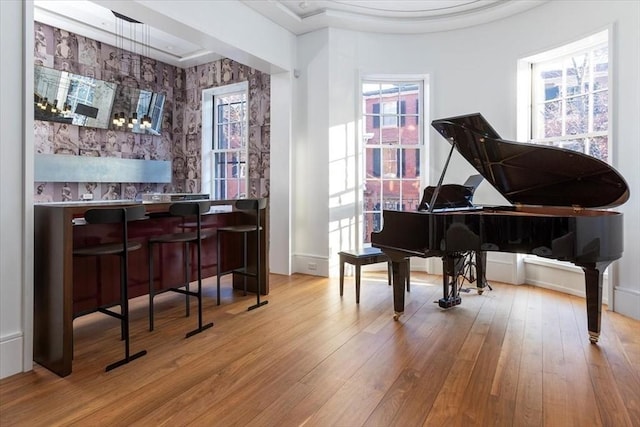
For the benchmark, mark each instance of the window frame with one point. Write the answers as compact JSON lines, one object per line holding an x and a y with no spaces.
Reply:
{"x":526,"y":96}
{"x":209,"y":141}
{"x":378,"y":161}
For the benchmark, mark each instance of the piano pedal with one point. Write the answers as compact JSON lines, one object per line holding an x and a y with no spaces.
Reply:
{"x":465,"y":290}
{"x":449,"y":302}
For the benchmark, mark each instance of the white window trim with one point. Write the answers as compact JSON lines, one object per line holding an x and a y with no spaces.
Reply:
{"x":524,"y":97}
{"x":208,"y":129}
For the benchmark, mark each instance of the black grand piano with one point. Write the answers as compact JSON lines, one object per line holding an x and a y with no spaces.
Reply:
{"x":554,"y":193}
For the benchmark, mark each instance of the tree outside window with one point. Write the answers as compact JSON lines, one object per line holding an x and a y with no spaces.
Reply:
{"x":570,"y":102}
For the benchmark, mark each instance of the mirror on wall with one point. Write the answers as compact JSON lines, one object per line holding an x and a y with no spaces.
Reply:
{"x":137,"y":110}
{"x":64,"y":97}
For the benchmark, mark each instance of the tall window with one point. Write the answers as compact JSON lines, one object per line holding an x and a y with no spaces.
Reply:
{"x":570,"y":97}
{"x":392,"y":149}
{"x":224,"y":152}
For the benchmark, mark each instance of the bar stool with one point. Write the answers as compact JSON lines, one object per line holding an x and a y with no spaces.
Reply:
{"x":184,"y":210}
{"x":122,"y":248}
{"x":255,"y":206}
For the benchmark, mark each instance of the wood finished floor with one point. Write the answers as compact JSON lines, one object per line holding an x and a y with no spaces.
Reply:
{"x":516,"y":356}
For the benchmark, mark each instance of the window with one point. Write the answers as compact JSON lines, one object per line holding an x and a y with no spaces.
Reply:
{"x":392,"y":149}
{"x":570,"y":97}
{"x":224,"y":154}
{"x":563,"y":101}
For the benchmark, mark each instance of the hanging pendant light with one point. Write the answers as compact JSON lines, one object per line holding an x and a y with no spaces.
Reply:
{"x":132,"y":36}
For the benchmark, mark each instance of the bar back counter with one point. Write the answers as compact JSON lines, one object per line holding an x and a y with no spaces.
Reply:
{"x":66,"y":287}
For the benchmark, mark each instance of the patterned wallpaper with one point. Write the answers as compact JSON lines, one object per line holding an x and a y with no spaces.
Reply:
{"x":181,"y":124}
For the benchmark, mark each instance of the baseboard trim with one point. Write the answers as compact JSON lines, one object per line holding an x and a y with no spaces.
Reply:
{"x":311,"y":264}
{"x":627,"y":302}
{"x":11,"y":354}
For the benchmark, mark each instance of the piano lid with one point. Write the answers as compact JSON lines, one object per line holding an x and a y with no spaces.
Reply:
{"x":531,"y":174}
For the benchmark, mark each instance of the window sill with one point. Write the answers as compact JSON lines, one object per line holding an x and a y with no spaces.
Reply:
{"x":550,"y":263}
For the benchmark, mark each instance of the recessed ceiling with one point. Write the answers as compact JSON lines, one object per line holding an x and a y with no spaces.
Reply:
{"x":170,"y":45}
{"x":387,"y":16}
{"x":88,"y":19}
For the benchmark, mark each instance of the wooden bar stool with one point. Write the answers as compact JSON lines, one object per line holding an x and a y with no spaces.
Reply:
{"x":121,"y":248}
{"x":184,"y":210}
{"x":366,"y":256}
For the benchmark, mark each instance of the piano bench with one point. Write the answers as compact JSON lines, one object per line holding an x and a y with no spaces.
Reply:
{"x":367,"y":256}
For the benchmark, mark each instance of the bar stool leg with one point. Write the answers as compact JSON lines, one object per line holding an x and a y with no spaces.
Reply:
{"x":245,"y":265}
{"x":151,"y":286}
{"x":219,"y":261}
{"x":258,"y":272}
{"x":124,"y":317}
{"x":198,"y":295}
{"x":187,"y":276}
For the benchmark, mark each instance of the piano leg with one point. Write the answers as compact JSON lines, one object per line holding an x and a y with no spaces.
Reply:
{"x":593,"y":273}
{"x":481,"y":266}
{"x":399,"y":281}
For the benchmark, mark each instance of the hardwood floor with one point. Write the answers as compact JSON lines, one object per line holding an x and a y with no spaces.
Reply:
{"x":515,"y":356}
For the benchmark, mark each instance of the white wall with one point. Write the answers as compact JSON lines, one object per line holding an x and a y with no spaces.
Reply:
{"x":280,"y":261}
{"x":311,"y":155}
{"x":16,"y":169}
{"x":472,"y":70}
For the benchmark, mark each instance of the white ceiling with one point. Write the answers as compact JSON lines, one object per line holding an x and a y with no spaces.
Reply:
{"x":387,"y":16}
{"x":89,"y":19}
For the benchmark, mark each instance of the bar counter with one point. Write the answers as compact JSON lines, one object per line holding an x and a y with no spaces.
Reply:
{"x":66,"y":287}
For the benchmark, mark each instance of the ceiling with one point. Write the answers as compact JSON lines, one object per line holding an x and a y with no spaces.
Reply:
{"x":89,"y":19}
{"x":386,"y":16}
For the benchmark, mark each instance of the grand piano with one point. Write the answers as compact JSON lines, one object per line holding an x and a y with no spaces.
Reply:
{"x":555,"y":195}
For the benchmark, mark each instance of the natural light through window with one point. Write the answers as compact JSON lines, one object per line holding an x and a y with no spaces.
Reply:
{"x":393,"y":144}
{"x":570,"y":97}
